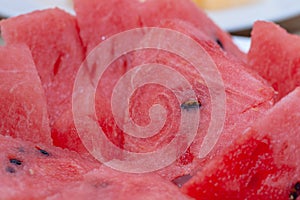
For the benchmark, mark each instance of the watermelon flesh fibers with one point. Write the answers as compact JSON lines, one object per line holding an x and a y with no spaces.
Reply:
{"x":254,"y":157}
{"x":263,"y":163}
{"x":37,"y":171}
{"x":53,"y":39}
{"x":107,"y":184}
{"x":241,"y":109}
{"x":23,"y":111}
{"x":259,"y":100}
{"x":274,"y":54}
{"x":99,"y":19}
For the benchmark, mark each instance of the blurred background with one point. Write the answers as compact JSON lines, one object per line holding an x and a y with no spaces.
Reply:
{"x":234,"y":16}
{"x":238,"y":16}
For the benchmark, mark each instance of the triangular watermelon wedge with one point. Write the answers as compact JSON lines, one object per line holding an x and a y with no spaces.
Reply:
{"x":100,"y":19}
{"x":53,"y":38}
{"x":36,"y":171}
{"x":242,"y":105}
{"x":23,"y":108}
{"x":263,"y":163}
{"x":274,"y":54}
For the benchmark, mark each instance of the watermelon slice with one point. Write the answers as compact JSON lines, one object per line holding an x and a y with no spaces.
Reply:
{"x":107,"y":184}
{"x":274,"y":55}
{"x":264,"y":163}
{"x":56,"y":48}
{"x":246,"y":99}
{"x":99,"y":19}
{"x":35,"y":171}
{"x":23,"y":110}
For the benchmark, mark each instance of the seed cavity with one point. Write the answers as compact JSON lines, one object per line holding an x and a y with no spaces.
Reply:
{"x":21,"y":149}
{"x":102,"y":184}
{"x":191,"y":104}
{"x":15,"y":161}
{"x":10,"y":169}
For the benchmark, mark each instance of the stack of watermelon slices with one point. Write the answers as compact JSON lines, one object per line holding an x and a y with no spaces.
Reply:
{"x":43,"y":157}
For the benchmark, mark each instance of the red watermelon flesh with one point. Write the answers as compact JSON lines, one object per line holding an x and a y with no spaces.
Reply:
{"x":186,"y":10}
{"x":23,"y":110}
{"x":246,"y":99}
{"x":33,"y":171}
{"x":64,"y":133}
{"x":242,"y":107}
{"x":264,"y":163}
{"x":94,"y":13}
{"x":99,"y":19}
{"x":36,"y":171}
{"x":107,"y":184}
{"x":274,"y":55}
{"x":56,"y":48}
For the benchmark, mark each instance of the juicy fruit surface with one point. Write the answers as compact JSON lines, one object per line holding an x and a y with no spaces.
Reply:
{"x":263,"y":163}
{"x":23,"y":111}
{"x":238,"y":115}
{"x":241,"y":109}
{"x":35,"y":171}
{"x":53,"y":39}
{"x":107,"y":184}
{"x":258,"y":163}
{"x":98,"y":20}
{"x":274,"y":55}
{"x":64,"y":133}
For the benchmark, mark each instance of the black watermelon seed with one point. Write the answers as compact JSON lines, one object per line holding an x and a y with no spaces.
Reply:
{"x":15,"y":161}
{"x":220,"y":43}
{"x":297,"y":186}
{"x":190,"y":104}
{"x":293,"y":195}
{"x":181,"y":180}
{"x":9,"y":169}
{"x":44,"y":152}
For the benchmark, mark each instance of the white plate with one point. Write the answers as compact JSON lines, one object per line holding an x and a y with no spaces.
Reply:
{"x":9,"y":8}
{"x":231,"y":19}
{"x":242,"y":17}
{"x":242,"y":42}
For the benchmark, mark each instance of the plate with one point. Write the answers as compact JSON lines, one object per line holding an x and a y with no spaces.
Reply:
{"x":238,"y":18}
{"x":242,"y":42}
{"x":243,"y":17}
{"x":16,"y":7}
